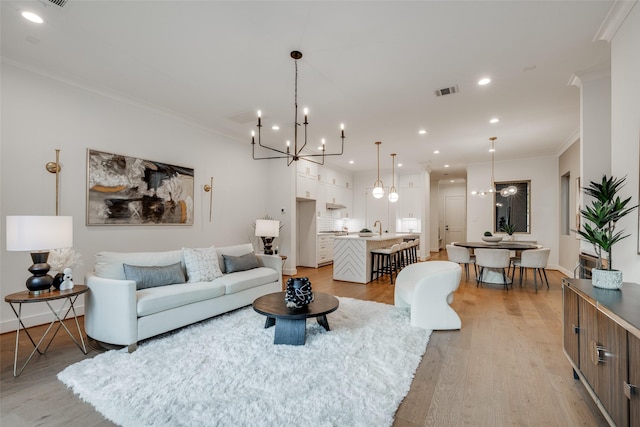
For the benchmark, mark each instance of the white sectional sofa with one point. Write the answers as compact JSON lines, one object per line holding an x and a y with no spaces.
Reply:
{"x":118,"y":312}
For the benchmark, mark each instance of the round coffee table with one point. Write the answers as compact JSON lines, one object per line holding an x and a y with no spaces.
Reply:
{"x":291,"y":323}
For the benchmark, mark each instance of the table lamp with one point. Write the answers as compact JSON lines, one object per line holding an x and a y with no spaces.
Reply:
{"x":267,"y":230}
{"x":38,"y":234}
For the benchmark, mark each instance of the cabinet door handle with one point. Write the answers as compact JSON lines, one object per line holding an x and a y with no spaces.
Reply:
{"x":576,"y":329}
{"x":598,"y":353}
{"x":629,"y":390}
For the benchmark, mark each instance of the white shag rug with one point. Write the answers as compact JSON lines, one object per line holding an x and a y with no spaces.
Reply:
{"x":227,"y":372}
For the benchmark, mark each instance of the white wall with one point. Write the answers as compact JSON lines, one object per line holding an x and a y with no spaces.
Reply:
{"x":625,"y":135}
{"x":40,"y":114}
{"x":436,"y":217}
{"x":543,"y":174}
{"x":569,"y":245}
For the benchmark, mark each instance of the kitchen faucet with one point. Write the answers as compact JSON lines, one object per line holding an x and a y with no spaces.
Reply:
{"x":379,"y":226}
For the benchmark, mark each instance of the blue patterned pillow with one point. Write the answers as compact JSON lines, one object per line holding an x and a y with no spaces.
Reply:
{"x":153,"y":276}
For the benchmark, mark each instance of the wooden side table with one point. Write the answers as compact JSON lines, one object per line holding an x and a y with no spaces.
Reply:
{"x":70,"y":296}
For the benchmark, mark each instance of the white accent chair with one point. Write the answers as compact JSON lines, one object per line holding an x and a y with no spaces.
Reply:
{"x":461,"y":256}
{"x":536,"y":259}
{"x":493,"y":258}
{"x":427,"y":288}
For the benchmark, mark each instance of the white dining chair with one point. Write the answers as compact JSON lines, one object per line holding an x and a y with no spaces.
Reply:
{"x":493,"y":258}
{"x":536,"y":259}
{"x":461,"y":256}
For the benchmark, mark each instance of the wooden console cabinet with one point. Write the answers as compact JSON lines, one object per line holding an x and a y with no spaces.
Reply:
{"x":601,"y":336}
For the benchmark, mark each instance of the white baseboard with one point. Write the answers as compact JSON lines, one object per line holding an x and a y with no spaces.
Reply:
{"x":36,"y":319}
{"x":290,"y":271}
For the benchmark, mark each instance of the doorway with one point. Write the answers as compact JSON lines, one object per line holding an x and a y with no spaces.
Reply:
{"x":455,"y":209}
{"x":306,"y":232}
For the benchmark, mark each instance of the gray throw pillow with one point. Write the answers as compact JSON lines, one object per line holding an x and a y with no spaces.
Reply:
{"x":240,"y":263}
{"x":153,"y":276}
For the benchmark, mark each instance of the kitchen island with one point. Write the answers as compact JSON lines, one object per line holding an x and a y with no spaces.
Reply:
{"x":352,"y":254}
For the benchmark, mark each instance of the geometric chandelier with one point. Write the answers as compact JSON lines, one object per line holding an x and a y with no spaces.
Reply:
{"x":296,"y":153}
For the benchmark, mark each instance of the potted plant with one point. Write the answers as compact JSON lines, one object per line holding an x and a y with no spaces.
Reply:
{"x":599,"y":228}
{"x":509,"y":229}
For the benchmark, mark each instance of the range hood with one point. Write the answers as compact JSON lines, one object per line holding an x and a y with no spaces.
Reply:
{"x":335,"y":206}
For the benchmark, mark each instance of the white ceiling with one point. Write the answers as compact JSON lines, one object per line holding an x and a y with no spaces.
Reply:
{"x":373,"y":66}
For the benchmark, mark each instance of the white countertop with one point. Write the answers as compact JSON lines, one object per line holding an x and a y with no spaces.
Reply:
{"x":385,"y":236}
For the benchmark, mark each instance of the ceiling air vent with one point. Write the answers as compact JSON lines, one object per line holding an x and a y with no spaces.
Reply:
{"x":447,"y":91}
{"x":59,"y":3}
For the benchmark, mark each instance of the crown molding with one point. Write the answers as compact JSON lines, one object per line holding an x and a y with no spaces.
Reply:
{"x":614,"y":20}
{"x":575,"y":136}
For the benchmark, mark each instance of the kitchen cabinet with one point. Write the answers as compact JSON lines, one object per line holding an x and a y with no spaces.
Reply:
{"x":601,"y":339}
{"x":325,"y":248}
{"x":306,"y":186}
{"x":410,"y":181}
{"x":410,"y":202}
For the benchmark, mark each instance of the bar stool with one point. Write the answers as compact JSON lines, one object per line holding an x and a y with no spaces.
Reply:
{"x":409,"y":252}
{"x":403,"y":254}
{"x":385,"y":261}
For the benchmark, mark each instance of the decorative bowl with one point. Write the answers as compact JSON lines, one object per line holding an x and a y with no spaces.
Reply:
{"x":365,"y":234}
{"x":492,"y":239}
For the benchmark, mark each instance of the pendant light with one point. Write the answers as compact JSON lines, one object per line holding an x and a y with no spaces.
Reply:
{"x":492,"y":184}
{"x":393,"y":194}
{"x":378,"y":187}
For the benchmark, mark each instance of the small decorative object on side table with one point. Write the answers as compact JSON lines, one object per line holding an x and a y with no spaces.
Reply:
{"x":25,"y":297}
{"x":298,"y":292}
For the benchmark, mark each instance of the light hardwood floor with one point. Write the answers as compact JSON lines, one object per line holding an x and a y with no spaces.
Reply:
{"x":505,"y":367}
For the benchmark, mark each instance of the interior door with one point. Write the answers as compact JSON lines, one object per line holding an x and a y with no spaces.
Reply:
{"x":455,"y":209}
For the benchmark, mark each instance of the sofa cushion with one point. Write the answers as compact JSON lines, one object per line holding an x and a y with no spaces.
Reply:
{"x":154,"y":300}
{"x":153,"y":276}
{"x":202,"y":264}
{"x":236,"y":250}
{"x":110,"y":264}
{"x":241,"y":280}
{"x":233,"y":264}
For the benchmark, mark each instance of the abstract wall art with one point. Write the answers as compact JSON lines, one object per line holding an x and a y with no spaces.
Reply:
{"x":123,"y":190}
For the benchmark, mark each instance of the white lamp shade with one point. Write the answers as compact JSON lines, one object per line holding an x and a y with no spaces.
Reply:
{"x":378,"y":192}
{"x":267,"y":228}
{"x":38,"y":233}
{"x":393,"y":197}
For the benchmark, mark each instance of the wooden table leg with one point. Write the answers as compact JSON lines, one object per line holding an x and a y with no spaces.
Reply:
{"x":290,"y":331}
{"x":322,"y":320}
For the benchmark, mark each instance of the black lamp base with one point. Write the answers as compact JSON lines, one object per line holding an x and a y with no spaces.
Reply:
{"x":268,"y":241}
{"x":40,"y":282}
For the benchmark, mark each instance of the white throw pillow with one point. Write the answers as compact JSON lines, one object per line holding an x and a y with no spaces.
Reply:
{"x":202,"y":264}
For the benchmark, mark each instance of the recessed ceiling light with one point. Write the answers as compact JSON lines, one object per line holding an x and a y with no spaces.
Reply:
{"x":446,"y":166}
{"x":492,"y":150}
{"x":453,"y":180}
{"x":422,"y":132}
{"x":30,"y":16}
{"x":484,"y":81}
{"x":399,"y":165}
{"x":494,"y":120}
{"x":275,"y":127}
{"x":351,"y":162}
{"x":436,"y":152}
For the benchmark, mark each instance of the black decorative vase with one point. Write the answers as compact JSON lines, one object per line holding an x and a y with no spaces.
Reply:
{"x":298,"y":293}
{"x":57,"y":280}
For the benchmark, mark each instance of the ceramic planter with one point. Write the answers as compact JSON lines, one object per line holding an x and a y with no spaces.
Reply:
{"x":606,"y":279}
